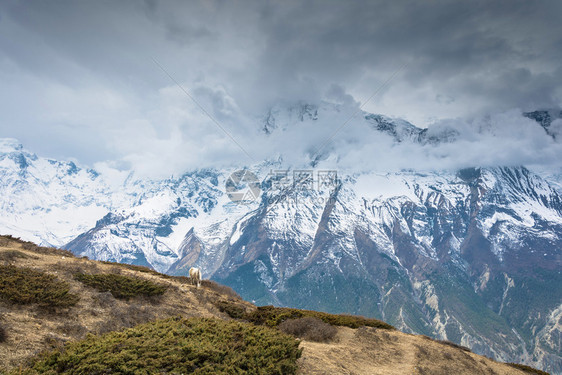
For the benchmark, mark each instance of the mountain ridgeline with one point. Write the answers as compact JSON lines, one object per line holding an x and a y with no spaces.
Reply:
{"x":471,"y":256}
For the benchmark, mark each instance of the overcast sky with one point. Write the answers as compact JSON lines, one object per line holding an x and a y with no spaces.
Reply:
{"x":78,"y":79}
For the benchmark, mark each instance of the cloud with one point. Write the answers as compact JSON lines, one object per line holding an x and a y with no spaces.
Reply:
{"x":502,"y":139}
{"x":556,"y":129}
{"x":78,"y":79}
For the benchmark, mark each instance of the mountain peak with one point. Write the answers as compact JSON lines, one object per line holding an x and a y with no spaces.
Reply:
{"x":10,"y":145}
{"x":12,"y":149}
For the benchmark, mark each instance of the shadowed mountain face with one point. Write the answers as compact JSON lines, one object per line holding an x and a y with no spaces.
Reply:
{"x":545,"y":119}
{"x":472,"y":256}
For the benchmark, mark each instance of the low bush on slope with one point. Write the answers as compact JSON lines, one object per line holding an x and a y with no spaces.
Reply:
{"x":121,"y":286}
{"x":312,"y":329}
{"x":176,"y":346}
{"x":529,"y":369}
{"x":273,"y":316}
{"x":24,"y":286}
{"x":135,"y":267}
{"x":3,"y":335}
{"x":12,"y":255}
{"x":448,"y":343}
{"x":305,"y":324}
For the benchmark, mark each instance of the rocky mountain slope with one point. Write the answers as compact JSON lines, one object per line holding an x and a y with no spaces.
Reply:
{"x":28,"y":327}
{"x":472,"y":255}
{"x":464,"y":257}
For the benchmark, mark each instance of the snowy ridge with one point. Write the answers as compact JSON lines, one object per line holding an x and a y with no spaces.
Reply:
{"x":48,"y":201}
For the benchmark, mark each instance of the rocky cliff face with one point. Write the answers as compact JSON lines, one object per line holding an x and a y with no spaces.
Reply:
{"x":472,"y":256}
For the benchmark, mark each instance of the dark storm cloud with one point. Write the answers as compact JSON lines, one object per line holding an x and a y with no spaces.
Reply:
{"x":74,"y":74}
{"x":503,"y":53}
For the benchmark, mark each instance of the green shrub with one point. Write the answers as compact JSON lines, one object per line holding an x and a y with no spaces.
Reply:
{"x":231,"y":309}
{"x":312,"y":329}
{"x":176,"y":346}
{"x":273,"y":316}
{"x":26,"y":286}
{"x":528,"y":369}
{"x":121,"y":286}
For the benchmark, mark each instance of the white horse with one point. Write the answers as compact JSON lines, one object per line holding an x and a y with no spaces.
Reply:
{"x":195,"y":276}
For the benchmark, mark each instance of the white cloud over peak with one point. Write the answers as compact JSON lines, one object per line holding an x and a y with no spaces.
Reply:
{"x":78,"y":79}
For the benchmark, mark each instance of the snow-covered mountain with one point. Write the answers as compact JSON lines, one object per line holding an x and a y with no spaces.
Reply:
{"x":470,"y":255}
{"x":48,"y":201}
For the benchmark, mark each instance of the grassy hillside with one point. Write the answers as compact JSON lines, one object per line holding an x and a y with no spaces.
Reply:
{"x":49,"y":298}
{"x":62,"y":314}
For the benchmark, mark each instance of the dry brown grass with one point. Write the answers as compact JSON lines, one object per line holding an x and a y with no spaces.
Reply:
{"x":385,"y":352}
{"x":7,"y":240}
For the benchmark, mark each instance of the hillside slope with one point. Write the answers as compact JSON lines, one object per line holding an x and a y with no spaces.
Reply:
{"x":28,"y":329}
{"x":378,"y":352}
